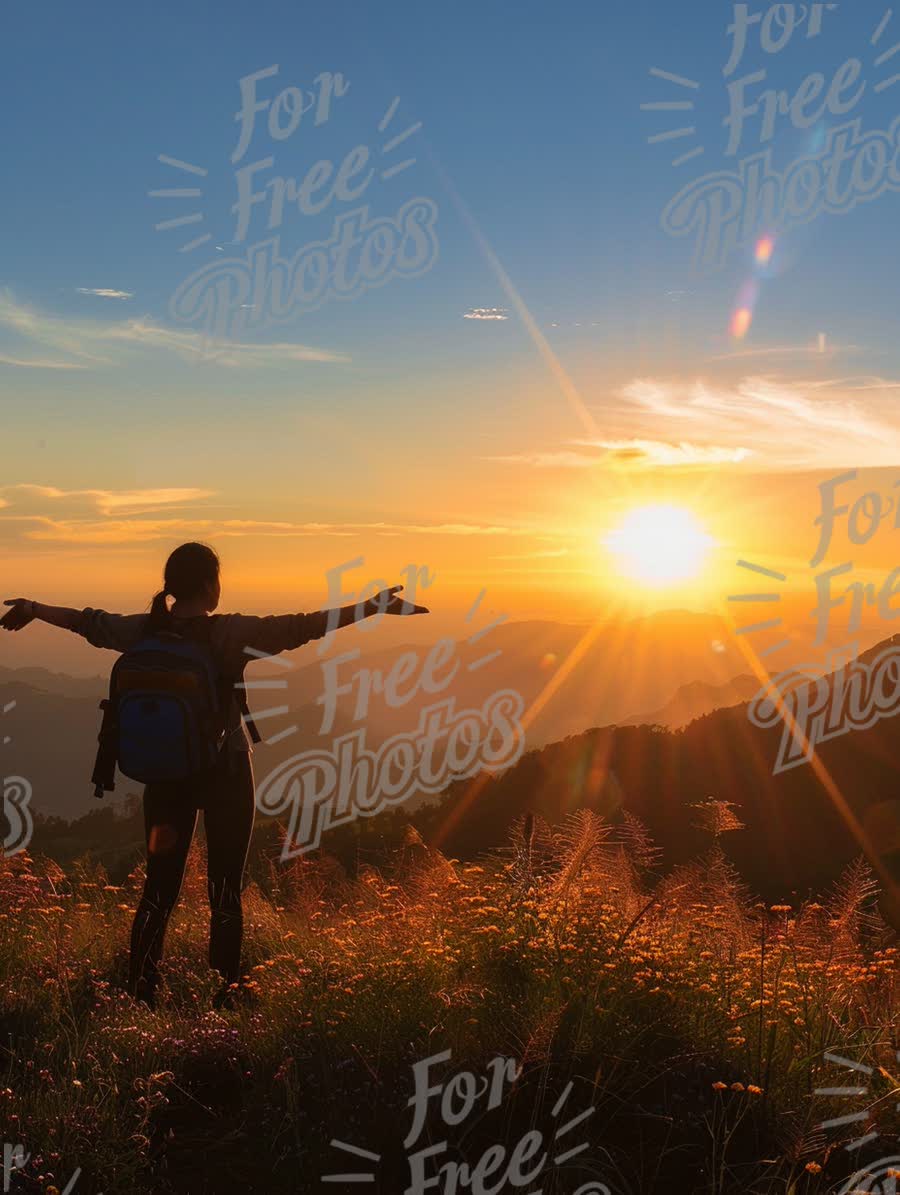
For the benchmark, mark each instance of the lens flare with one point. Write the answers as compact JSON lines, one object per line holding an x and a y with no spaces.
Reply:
{"x":765,"y":247}
{"x":740,"y":322}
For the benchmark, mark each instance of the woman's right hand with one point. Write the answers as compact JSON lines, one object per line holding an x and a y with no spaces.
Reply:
{"x":21,"y":614}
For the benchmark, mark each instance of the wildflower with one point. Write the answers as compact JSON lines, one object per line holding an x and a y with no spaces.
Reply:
{"x":813,"y":1168}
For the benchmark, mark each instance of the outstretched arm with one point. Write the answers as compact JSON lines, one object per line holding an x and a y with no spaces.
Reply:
{"x":285,"y":632}
{"x":117,"y":632}
{"x":23,"y":611}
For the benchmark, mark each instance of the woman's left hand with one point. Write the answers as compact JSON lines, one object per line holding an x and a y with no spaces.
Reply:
{"x":389,"y":602}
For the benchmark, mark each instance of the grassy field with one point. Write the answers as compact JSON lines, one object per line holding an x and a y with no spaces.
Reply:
{"x":694,"y":1022}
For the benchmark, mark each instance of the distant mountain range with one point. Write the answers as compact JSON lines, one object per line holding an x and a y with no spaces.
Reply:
{"x":696,"y":699}
{"x":678,"y":665}
{"x":578,"y":676}
{"x":799,"y":823}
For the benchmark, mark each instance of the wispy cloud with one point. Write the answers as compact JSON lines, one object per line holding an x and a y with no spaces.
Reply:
{"x":668,"y":455}
{"x":95,"y":343}
{"x":69,"y":337}
{"x":140,"y":515}
{"x":144,"y":332}
{"x":791,"y":423}
{"x":858,"y":382}
{"x":135,"y":530}
{"x":490,"y":313}
{"x":108,"y":501}
{"x":103,"y":292}
{"x":755,"y":400}
{"x":635,"y":450}
{"x":543,"y":554}
{"x":771,"y":421}
{"x":39,"y":363}
{"x":548,"y":460}
{"x":821,"y":347}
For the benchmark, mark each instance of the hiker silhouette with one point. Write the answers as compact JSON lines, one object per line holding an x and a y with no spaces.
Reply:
{"x":175,"y":719}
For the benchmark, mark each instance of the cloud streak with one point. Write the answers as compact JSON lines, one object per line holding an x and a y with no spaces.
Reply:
{"x":95,"y":344}
{"x":672,"y":455}
{"x":488,"y":313}
{"x":789,"y":423}
{"x":109,"y":501}
{"x":819,"y":348}
{"x":548,"y":460}
{"x":545,"y":554}
{"x":772,"y":422}
{"x":661,"y":453}
{"x":103,"y":292}
{"x":145,"y":333}
{"x":133,"y":516}
{"x":38,"y":363}
{"x":119,"y":531}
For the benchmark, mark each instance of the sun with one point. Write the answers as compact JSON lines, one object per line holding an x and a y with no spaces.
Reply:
{"x":660,"y":545}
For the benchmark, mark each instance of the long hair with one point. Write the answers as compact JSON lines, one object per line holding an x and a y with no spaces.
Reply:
{"x":189,"y":571}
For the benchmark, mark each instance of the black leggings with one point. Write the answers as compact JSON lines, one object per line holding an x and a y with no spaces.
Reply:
{"x":226,"y":797}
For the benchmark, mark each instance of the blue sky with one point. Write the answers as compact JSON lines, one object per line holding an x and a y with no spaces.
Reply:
{"x":532,"y":112}
{"x":531,"y":122}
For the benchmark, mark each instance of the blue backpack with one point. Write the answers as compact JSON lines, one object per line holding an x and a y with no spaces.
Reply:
{"x":165,"y":717}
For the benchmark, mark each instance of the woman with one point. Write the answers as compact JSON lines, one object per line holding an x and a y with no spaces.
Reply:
{"x":226,"y":793}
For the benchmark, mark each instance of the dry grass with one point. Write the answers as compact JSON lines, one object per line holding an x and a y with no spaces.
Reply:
{"x":695,"y":1021}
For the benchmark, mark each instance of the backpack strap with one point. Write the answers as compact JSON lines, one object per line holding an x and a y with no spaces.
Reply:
{"x":104,"y":775}
{"x":247,"y":716}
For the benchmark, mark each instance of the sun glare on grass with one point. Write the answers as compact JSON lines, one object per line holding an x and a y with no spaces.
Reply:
{"x":660,"y":545}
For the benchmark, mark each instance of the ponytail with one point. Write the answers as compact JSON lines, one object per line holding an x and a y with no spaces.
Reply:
{"x":159,"y":609}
